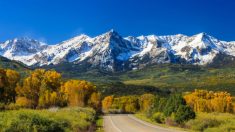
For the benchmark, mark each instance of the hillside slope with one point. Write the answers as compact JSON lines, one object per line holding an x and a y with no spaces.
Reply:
{"x":161,"y":79}
{"x":14,"y":65}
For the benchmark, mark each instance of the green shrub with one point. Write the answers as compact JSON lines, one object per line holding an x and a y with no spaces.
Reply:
{"x":34,"y":122}
{"x":174,"y":107}
{"x":184,"y":113}
{"x":159,"y":117}
{"x":173,"y":103}
{"x":99,"y":124}
{"x":160,"y":104}
{"x":67,"y":119}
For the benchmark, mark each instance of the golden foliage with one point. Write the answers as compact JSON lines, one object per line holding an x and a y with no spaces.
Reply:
{"x":23,"y":102}
{"x":79,"y":92}
{"x":12,"y":76}
{"x":95,"y":100}
{"x":8,"y":81}
{"x":209,"y":101}
{"x":146,"y":101}
{"x":126,"y":104}
{"x":41,"y":87}
{"x":107,"y":103}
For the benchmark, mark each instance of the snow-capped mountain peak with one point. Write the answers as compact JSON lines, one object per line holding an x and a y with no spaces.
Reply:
{"x":21,"y":48}
{"x":111,"y":51}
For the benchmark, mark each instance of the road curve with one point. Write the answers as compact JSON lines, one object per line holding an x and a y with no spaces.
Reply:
{"x":128,"y":123}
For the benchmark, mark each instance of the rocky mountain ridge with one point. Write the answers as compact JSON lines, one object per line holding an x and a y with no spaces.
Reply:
{"x":112,"y":52}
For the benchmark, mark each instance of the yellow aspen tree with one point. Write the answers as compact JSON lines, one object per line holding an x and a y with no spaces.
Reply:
{"x":95,"y":100}
{"x":107,"y":103}
{"x":78,"y":92}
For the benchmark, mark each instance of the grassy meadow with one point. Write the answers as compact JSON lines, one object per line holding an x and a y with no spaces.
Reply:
{"x":212,"y":122}
{"x":55,"y":120}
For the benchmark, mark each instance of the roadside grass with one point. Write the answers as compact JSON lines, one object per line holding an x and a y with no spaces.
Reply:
{"x":99,"y":124}
{"x":53,"y":120}
{"x":213,"y":122}
{"x":143,"y":117}
{"x":204,"y":122}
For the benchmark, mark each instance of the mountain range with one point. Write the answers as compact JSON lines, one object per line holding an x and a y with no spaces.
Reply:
{"x":112,"y":52}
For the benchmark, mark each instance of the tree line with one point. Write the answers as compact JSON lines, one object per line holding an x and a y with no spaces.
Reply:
{"x":150,"y":105}
{"x":174,"y":109}
{"x":45,"y":88}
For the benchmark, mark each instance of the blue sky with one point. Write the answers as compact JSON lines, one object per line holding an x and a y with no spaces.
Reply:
{"x":57,"y":20}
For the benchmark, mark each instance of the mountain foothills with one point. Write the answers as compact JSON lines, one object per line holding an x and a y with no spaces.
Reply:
{"x":112,"y":52}
{"x":11,"y":64}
